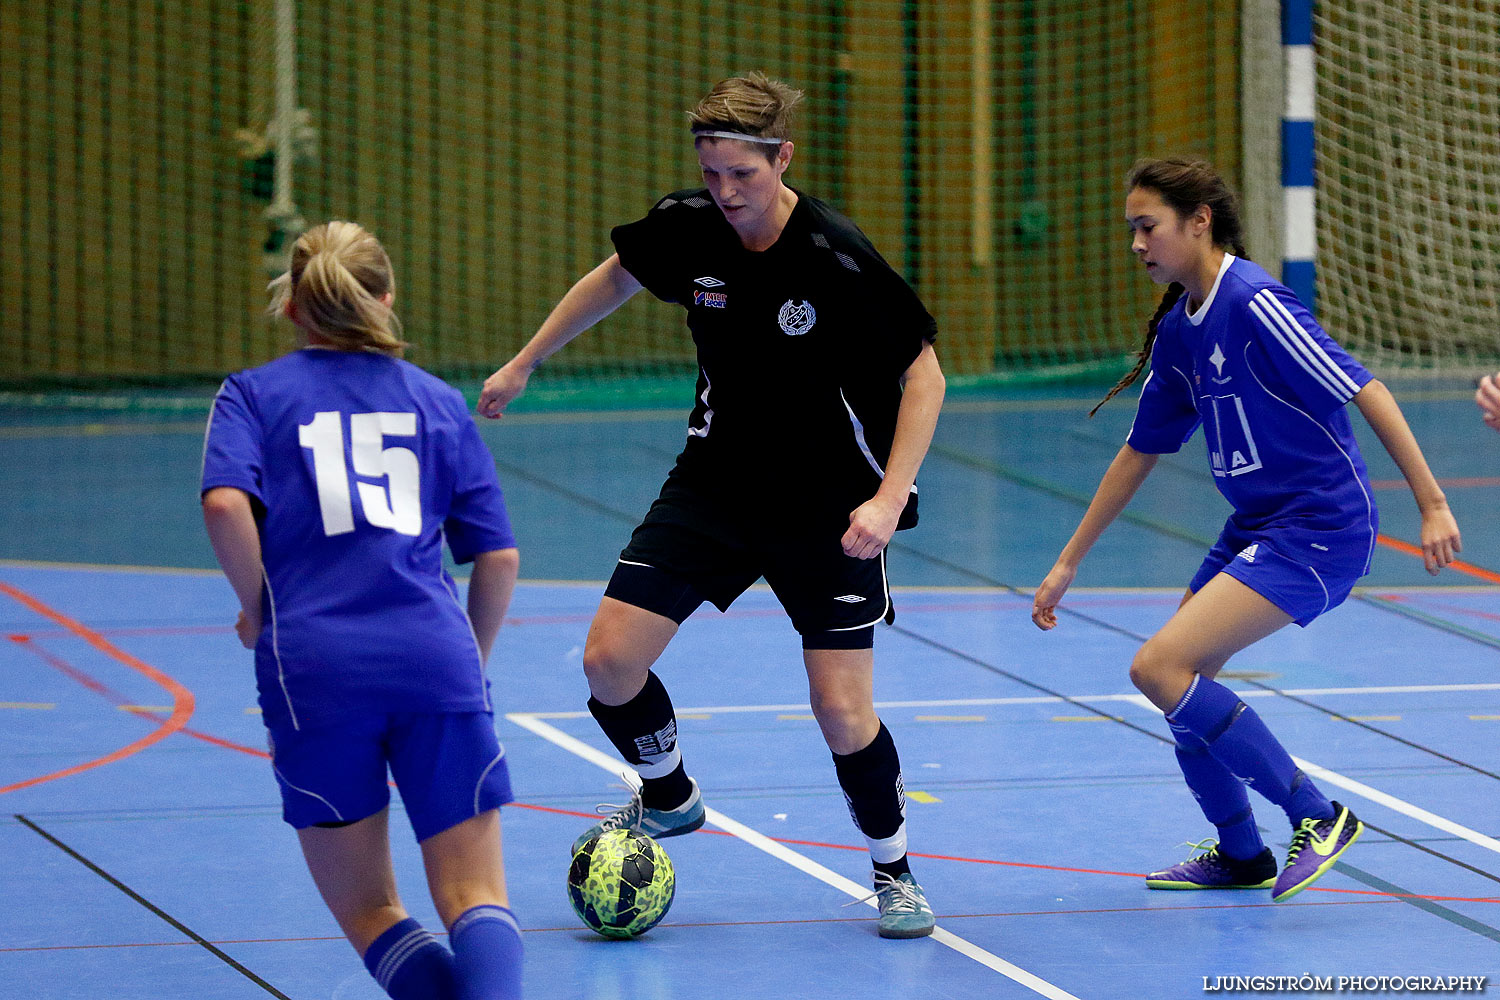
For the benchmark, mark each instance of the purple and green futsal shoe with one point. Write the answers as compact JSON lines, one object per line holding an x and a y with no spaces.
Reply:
{"x":1213,"y":870}
{"x":1316,"y":845}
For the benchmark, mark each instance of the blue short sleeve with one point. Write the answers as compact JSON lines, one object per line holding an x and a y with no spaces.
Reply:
{"x":232,"y":445}
{"x":477,"y":519}
{"x":1318,"y":372}
{"x":1166,"y":415}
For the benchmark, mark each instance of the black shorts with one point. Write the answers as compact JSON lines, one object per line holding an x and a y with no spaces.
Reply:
{"x":693,"y":546}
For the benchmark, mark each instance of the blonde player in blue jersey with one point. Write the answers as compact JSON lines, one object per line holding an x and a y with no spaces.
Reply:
{"x":1231,"y":348}
{"x":331,"y":479}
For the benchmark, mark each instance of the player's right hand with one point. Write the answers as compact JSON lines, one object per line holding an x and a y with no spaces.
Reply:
{"x":1044,"y":604}
{"x":247,"y":627}
{"x":502,"y":387}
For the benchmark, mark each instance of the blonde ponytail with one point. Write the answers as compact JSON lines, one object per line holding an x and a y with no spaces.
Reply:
{"x":338,"y":276}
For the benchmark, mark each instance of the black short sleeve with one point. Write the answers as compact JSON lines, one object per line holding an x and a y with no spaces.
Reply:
{"x":654,"y":248}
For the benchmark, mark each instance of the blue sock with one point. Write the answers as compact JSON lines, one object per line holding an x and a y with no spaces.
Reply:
{"x":486,"y":944}
{"x":1221,"y":796}
{"x":1238,"y":739}
{"x":410,"y":964}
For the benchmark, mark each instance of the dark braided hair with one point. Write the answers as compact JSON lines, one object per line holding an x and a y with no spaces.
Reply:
{"x":1184,"y":185}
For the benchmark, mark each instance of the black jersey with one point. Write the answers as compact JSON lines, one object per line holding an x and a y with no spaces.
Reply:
{"x":801,"y":348}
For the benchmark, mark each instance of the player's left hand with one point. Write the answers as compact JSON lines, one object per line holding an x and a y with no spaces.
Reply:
{"x":1440,"y":539}
{"x":870,"y":528}
{"x":1488,"y":398}
{"x":247,"y":627}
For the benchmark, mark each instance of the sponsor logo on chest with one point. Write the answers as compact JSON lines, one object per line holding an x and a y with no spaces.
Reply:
{"x":710,"y":300}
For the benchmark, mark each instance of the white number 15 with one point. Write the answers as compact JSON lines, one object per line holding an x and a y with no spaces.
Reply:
{"x":398,"y":504}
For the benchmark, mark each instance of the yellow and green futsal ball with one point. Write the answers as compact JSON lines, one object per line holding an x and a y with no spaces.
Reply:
{"x":621,"y":883}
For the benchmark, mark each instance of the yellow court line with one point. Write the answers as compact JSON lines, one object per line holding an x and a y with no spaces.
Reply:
{"x":102,"y":430}
{"x":1373,"y":718}
{"x":253,"y":710}
{"x":950,"y":718}
{"x":145,"y":708}
{"x":694,"y":715}
{"x":1485,"y":718}
{"x":923,"y":797}
{"x":1087,"y":718}
{"x":797,"y":718}
{"x":28,"y":704}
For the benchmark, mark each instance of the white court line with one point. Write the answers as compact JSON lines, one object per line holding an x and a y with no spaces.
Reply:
{"x":1382,"y":798}
{"x":1136,"y":699}
{"x":1399,"y":805}
{"x":800,"y":862}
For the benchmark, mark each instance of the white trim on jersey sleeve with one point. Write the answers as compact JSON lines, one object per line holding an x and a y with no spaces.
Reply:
{"x":708,"y":411}
{"x":1298,"y":342}
{"x":209,"y":429}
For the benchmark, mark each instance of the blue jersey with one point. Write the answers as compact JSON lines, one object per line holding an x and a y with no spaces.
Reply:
{"x":360,"y":465}
{"x":1269,"y":386}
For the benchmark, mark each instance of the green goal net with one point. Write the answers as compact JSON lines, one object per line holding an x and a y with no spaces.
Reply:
{"x":491,"y":145}
{"x":1408,"y":141}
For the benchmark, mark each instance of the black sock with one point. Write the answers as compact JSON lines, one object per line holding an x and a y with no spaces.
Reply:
{"x":644,"y":731}
{"x":871,"y":780}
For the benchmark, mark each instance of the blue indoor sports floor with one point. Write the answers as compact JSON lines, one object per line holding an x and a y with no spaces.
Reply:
{"x":146,"y":858}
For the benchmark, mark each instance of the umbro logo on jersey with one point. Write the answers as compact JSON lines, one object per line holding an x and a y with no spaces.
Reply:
{"x":850,"y":599}
{"x":1249,"y":552}
{"x":796,"y":318}
{"x":708,"y":282}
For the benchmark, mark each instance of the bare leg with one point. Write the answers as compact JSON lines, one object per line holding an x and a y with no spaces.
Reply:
{"x":623,"y":642}
{"x":351,"y":866}
{"x":1209,"y":627}
{"x":841,"y":687}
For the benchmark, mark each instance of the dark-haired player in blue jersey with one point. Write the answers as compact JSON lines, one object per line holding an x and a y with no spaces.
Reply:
{"x":331,"y":479}
{"x":1232,"y":348}
{"x":817,"y":395}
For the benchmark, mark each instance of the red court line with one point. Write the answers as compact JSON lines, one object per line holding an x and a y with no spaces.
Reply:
{"x":182,"y":698}
{"x":1024,"y":864}
{"x":1457,"y":565}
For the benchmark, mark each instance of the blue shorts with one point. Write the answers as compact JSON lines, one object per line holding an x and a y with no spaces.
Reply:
{"x":1286,"y":579}
{"x":448,"y":766}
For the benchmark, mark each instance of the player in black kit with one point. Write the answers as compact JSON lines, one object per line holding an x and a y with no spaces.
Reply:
{"x":818,"y":392}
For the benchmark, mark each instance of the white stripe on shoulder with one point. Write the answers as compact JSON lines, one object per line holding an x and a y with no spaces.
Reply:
{"x":1302,"y":345}
{"x":1273,"y":323}
{"x":1320,"y":353}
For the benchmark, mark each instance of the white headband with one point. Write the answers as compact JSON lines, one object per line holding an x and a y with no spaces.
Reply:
{"x":706,"y":134}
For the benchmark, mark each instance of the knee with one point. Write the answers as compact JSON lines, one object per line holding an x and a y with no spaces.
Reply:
{"x":848,"y":723}
{"x":607,"y":665}
{"x":1150,"y":667}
